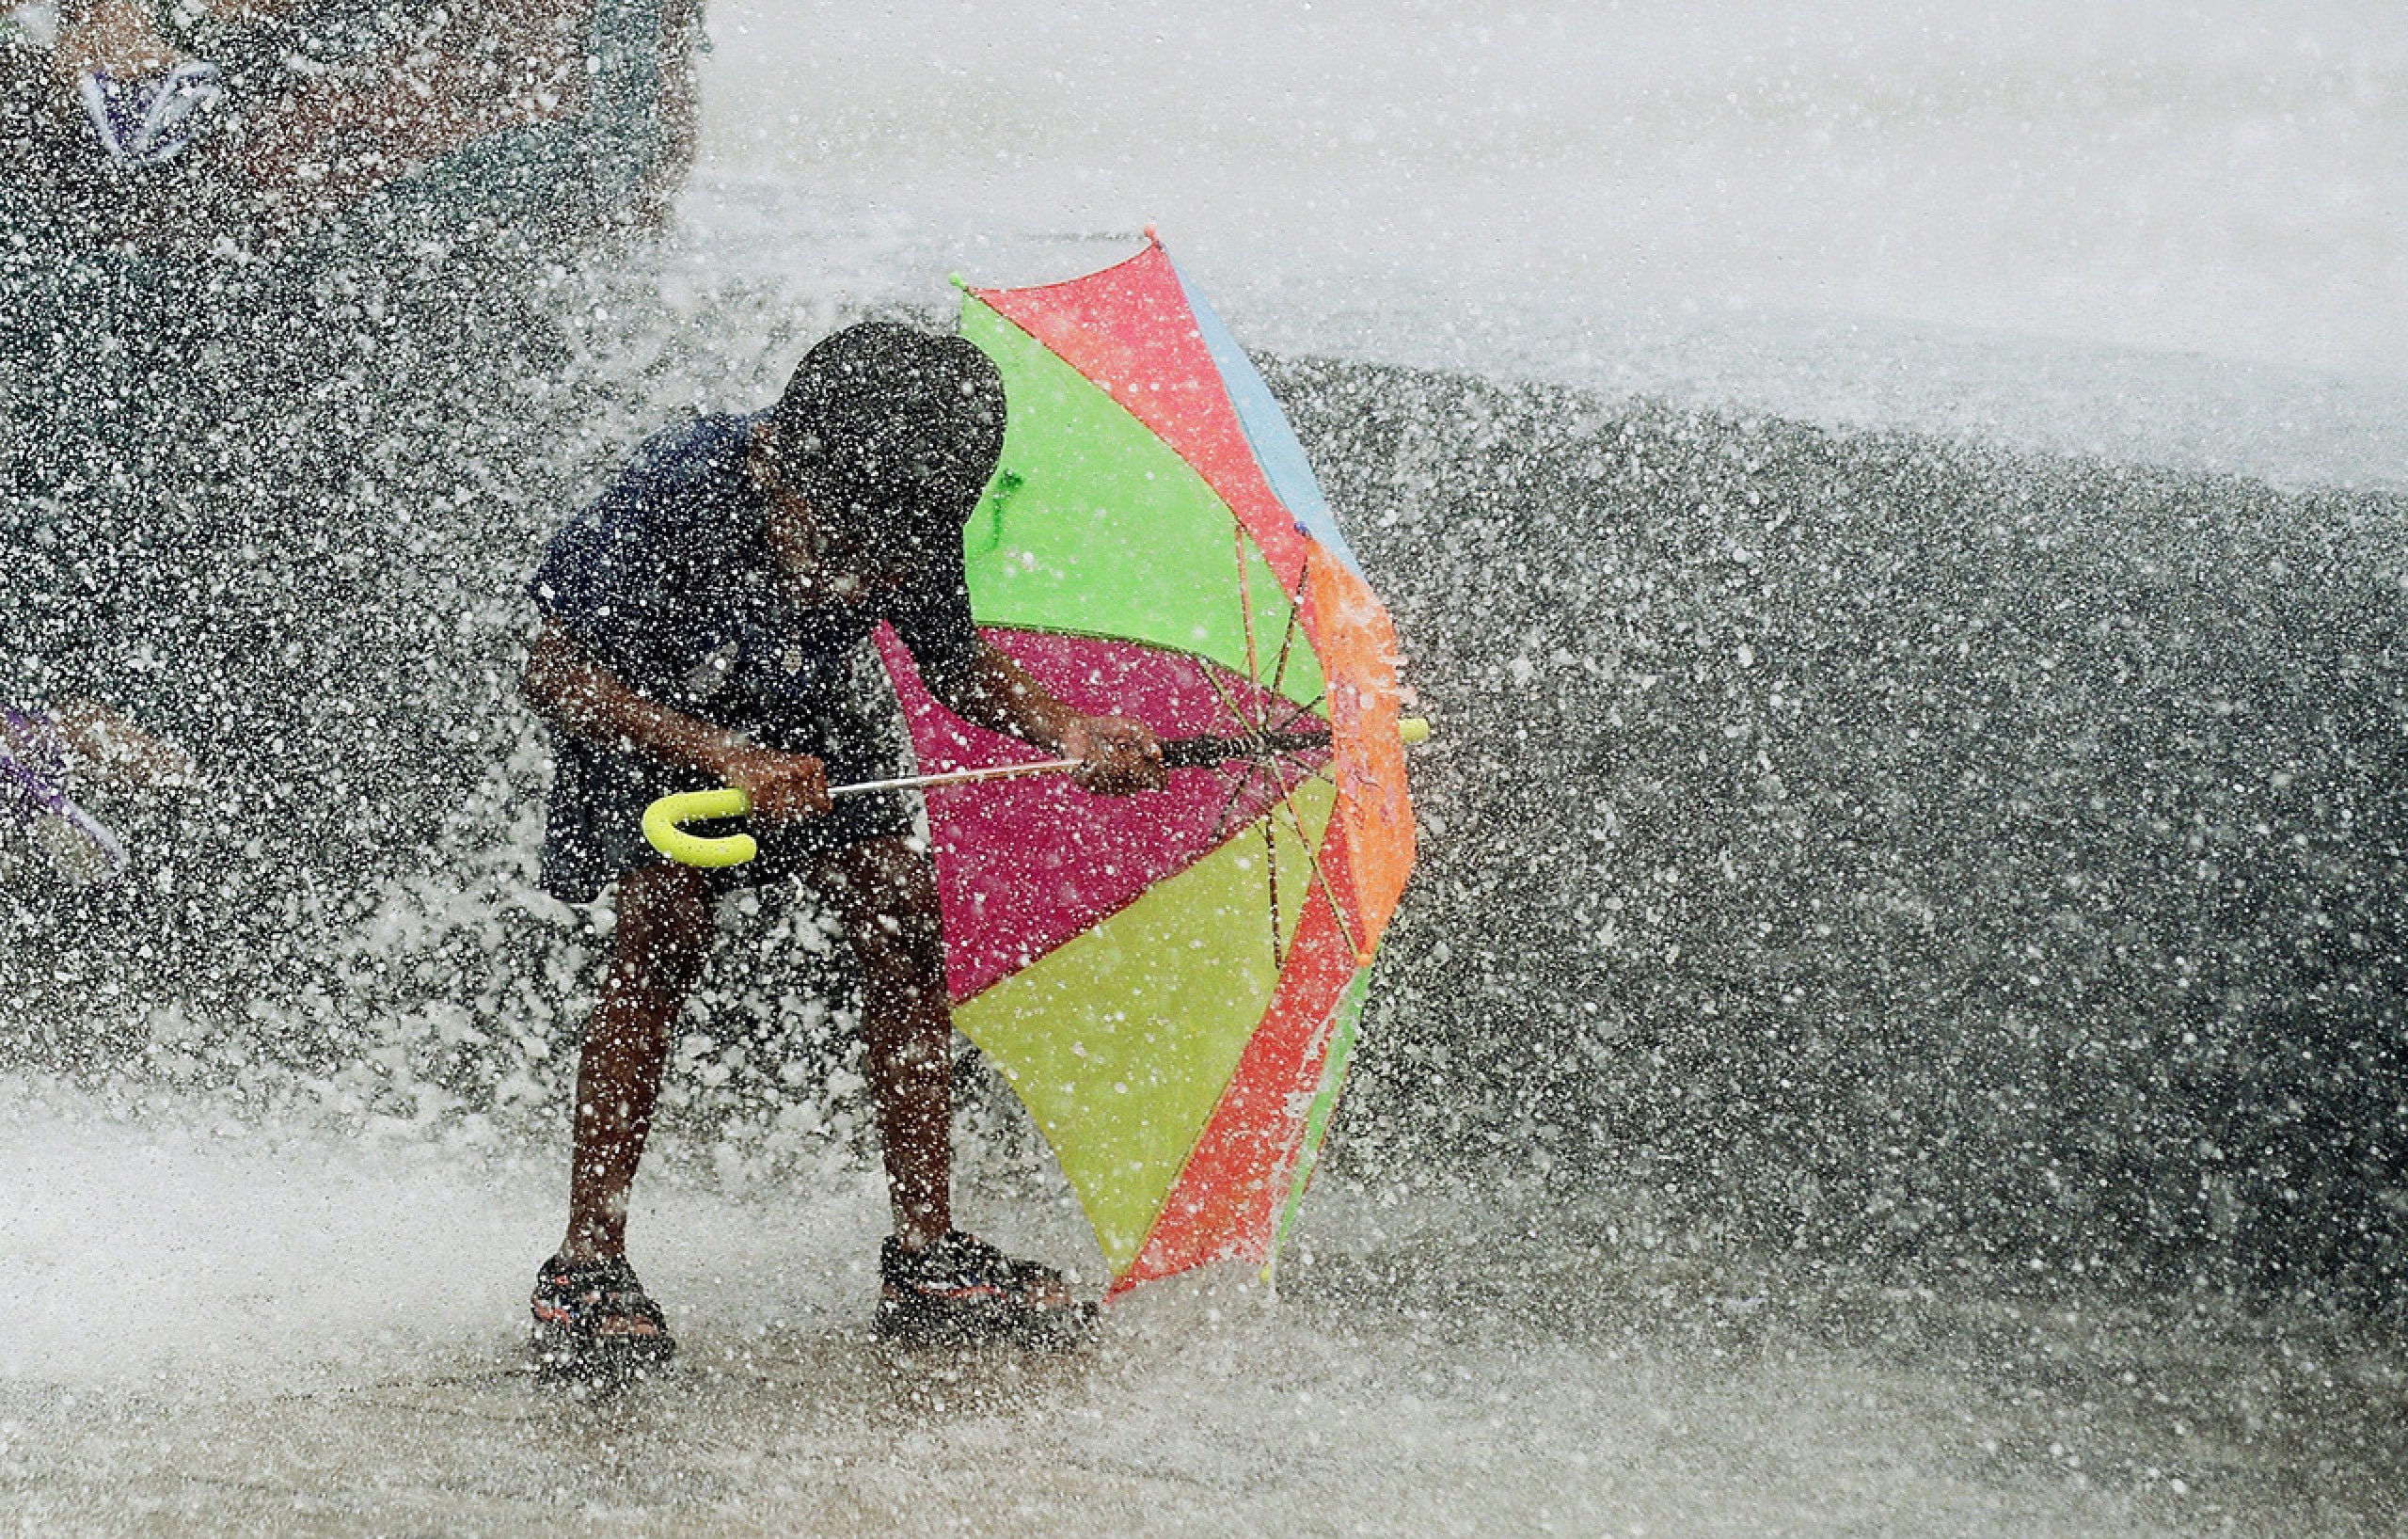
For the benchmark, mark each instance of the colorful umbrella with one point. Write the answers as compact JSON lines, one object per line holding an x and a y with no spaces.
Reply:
{"x":1171,"y":982}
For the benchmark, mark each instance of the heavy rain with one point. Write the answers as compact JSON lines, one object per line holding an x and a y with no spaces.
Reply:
{"x":1897,"y":517}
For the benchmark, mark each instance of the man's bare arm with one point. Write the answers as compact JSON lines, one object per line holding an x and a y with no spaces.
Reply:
{"x":578,"y":695}
{"x":1120,"y":755}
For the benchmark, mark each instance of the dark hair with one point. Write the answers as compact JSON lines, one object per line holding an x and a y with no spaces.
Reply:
{"x":892,"y":427}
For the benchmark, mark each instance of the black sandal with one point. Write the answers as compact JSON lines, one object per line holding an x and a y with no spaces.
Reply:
{"x":962,"y":1291}
{"x":595,"y":1316}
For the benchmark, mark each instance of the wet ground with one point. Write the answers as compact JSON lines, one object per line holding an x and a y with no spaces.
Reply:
{"x":296,"y":1335}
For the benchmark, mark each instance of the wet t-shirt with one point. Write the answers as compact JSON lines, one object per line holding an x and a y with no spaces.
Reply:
{"x":667,"y":581}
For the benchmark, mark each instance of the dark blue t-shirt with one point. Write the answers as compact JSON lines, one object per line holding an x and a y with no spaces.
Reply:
{"x":666,"y":580}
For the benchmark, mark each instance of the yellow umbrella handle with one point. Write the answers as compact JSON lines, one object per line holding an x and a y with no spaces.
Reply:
{"x":662,"y":830}
{"x":661,"y":819}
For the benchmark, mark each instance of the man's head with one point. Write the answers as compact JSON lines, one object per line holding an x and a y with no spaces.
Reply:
{"x":891,"y":431}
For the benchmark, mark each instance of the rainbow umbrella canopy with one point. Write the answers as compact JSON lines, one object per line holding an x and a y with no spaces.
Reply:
{"x":1172,"y":982}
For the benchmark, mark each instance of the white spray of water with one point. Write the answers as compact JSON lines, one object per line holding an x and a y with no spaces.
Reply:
{"x":2155,"y":228}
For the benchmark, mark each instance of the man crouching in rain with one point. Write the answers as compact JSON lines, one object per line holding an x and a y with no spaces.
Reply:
{"x":699,"y":625}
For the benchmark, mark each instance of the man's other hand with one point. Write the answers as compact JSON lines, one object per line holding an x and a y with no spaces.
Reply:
{"x":781,"y":786}
{"x":1116,"y":755}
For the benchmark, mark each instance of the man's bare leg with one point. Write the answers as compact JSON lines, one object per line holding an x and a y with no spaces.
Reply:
{"x":886,"y":891}
{"x":664,"y":935}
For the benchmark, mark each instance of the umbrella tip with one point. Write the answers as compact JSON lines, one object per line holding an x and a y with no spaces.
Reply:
{"x":958,"y":281}
{"x":1152,"y":238}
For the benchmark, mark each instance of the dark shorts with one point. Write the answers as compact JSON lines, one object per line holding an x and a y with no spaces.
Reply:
{"x":848,"y":718}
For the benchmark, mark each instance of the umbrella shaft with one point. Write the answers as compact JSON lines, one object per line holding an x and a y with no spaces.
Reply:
{"x":1178,"y":754}
{"x":953,"y":777}
{"x":1204,"y":752}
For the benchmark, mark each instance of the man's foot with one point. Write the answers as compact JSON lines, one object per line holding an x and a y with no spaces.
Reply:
{"x":961,"y":1291}
{"x":593,"y":1317}
{"x":150,"y":119}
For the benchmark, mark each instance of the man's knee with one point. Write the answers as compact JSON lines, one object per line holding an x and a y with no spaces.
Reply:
{"x":664,"y":931}
{"x":887,"y":890}
{"x":910,"y":1052}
